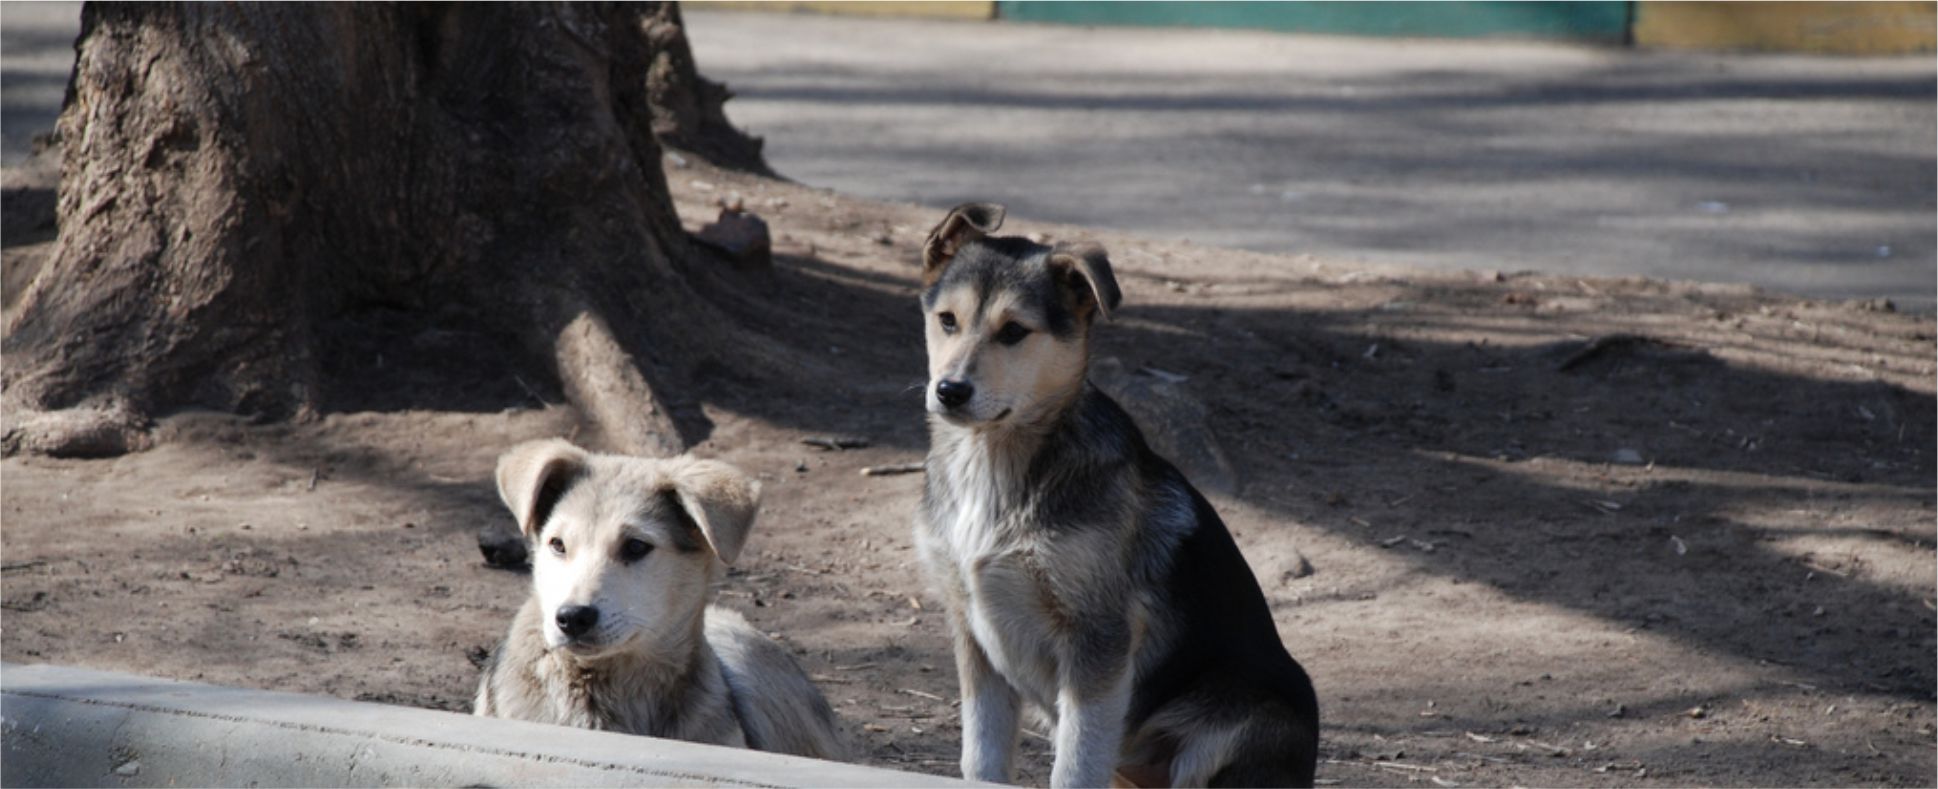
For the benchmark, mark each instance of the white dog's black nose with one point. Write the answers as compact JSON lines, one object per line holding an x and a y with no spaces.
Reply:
{"x":954,"y":393}
{"x":576,"y":620}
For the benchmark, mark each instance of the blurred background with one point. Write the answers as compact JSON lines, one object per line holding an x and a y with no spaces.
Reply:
{"x":1783,"y":144}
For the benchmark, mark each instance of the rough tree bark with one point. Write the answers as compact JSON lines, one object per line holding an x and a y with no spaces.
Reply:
{"x":239,"y":178}
{"x":689,"y":110}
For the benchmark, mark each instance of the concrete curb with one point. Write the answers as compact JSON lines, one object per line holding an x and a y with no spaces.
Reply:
{"x":64,"y":726}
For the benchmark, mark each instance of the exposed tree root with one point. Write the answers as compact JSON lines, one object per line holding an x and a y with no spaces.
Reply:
{"x":607,"y":386}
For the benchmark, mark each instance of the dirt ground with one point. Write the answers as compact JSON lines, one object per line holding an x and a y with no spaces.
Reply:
{"x":1698,"y":552}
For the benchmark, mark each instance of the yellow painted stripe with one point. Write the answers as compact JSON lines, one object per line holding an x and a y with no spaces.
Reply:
{"x":944,"y":9}
{"x":1851,"y":28}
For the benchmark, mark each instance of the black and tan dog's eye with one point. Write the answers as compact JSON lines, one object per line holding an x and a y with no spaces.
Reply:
{"x":558,"y":546}
{"x":635,"y":550}
{"x":948,"y":320}
{"x":1012,"y":333}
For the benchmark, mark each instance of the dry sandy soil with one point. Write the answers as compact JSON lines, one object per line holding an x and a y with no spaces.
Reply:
{"x":1701,"y":557}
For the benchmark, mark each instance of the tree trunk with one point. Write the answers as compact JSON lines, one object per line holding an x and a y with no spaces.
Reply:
{"x":260,"y":203}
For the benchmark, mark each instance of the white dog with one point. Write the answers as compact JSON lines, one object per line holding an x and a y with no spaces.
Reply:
{"x":617,"y":634}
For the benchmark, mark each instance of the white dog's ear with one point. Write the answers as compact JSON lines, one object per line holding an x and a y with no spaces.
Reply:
{"x":720,"y":499}
{"x":534,"y":475}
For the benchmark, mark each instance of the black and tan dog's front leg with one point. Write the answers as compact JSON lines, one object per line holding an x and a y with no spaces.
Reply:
{"x":1093,"y":701}
{"x":990,"y":709}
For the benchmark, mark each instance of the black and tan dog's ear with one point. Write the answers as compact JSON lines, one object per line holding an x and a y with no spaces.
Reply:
{"x":965,"y":223}
{"x":719,"y":498}
{"x":534,"y":475}
{"x":1084,"y":273}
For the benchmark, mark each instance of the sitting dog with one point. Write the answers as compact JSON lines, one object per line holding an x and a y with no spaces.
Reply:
{"x":617,"y":634}
{"x":1083,"y":575}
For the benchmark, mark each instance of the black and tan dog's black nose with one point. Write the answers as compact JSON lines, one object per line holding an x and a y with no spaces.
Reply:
{"x":954,"y":393}
{"x":577,"y":620}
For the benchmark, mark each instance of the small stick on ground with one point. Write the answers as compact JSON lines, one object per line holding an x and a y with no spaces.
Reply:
{"x":530,"y":391}
{"x":892,"y":469}
{"x":1553,"y":750}
{"x":837,"y":442}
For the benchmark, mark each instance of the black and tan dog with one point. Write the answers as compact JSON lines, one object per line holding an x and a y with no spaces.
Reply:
{"x":1084,"y":576}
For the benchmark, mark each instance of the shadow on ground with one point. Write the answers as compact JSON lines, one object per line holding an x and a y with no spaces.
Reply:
{"x":1458,"y":444}
{"x":1470,"y":421}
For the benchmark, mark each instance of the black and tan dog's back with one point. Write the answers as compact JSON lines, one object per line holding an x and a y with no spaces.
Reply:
{"x":1084,"y":576}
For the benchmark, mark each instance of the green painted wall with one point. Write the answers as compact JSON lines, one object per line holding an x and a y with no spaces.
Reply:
{"x":1586,"y":21}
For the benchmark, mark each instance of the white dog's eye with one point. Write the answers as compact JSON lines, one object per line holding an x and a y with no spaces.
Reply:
{"x":558,"y":546}
{"x":1012,"y":333}
{"x":948,"y":320}
{"x":635,"y":550}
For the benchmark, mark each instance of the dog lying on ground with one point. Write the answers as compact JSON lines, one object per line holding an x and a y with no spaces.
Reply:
{"x":1083,"y":575}
{"x":617,"y":634}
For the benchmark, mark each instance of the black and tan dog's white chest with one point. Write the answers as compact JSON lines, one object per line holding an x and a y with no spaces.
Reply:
{"x":1015,"y":583}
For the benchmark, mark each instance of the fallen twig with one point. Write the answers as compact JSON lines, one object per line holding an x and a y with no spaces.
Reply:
{"x":530,"y":391}
{"x":1603,"y":507}
{"x":1553,"y":750}
{"x":892,"y":469}
{"x":836,"y":442}
{"x":922,"y":694}
{"x":1822,"y":569}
